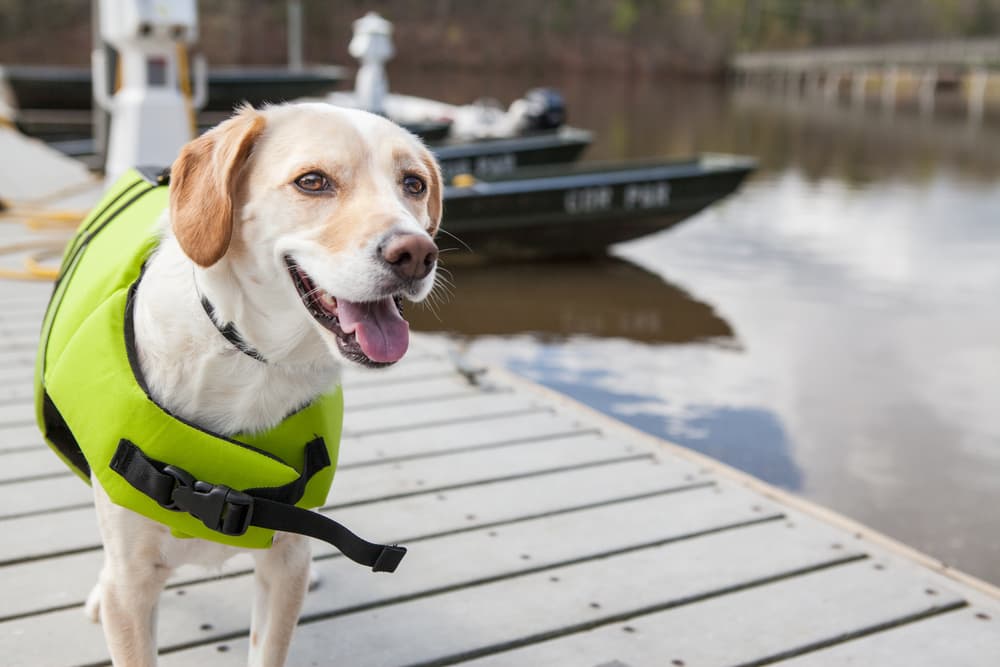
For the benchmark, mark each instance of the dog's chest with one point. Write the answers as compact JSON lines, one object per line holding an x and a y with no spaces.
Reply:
{"x":196,"y":374}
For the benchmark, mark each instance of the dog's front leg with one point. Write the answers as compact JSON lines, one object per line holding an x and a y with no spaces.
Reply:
{"x":281,"y":579}
{"x":130,"y":583}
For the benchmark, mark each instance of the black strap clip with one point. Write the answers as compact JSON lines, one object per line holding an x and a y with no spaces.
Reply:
{"x":389,"y":558}
{"x":218,"y":506}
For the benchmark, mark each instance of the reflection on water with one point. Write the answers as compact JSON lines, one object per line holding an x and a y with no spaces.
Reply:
{"x":606,"y":298}
{"x":856,"y":279}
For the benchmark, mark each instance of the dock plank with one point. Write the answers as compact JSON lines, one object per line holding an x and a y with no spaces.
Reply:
{"x":368,"y":482}
{"x":962,"y":638}
{"x":49,"y":580}
{"x":397,"y":418}
{"x":475,"y":556}
{"x":19,"y":437}
{"x":538,"y":534}
{"x":49,"y":495}
{"x":29,"y":464}
{"x":30,"y":461}
{"x":484,"y":431}
{"x":764,"y":622}
{"x":446,"y":627}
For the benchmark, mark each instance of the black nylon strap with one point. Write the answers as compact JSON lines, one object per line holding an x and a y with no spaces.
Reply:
{"x":292,"y":519}
{"x":231,"y":512}
{"x":231,"y":333}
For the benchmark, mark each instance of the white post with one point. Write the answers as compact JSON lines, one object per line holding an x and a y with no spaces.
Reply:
{"x":859,"y":87}
{"x":832,"y":88}
{"x":791,"y":83}
{"x":927,"y":91}
{"x":890,"y":76}
{"x":149,"y":116}
{"x":812,"y":83}
{"x":295,"y":35}
{"x":372,"y":45}
{"x":978,"y":78}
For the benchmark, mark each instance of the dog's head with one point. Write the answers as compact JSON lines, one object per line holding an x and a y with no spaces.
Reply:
{"x":333,"y":209}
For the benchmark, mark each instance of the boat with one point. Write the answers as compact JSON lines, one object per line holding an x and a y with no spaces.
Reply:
{"x":486,"y":158}
{"x":54,"y":103}
{"x":579,"y":210}
{"x":69,"y":87}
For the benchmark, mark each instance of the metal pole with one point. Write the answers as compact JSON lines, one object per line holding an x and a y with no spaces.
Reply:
{"x":928,"y":86}
{"x":295,"y":34}
{"x":978,"y":78}
{"x":99,"y":116}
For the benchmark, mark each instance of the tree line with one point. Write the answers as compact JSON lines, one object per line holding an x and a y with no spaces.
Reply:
{"x":693,"y":37}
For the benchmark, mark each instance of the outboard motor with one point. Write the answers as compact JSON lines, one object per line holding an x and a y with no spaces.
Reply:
{"x":540,"y":109}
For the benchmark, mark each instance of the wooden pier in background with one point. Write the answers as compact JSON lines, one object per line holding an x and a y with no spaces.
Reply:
{"x":540,"y":533}
{"x":969,"y":69}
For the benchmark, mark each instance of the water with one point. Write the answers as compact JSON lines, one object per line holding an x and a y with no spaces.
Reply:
{"x":833,"y":328}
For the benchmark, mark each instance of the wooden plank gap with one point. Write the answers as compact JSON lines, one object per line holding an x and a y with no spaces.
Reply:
{"x":36,"y":478}
{"x":490,"y":480}
{"x":446,"y":422}
{"x":48,"y":510}
{"x":513,"y":442}
{"x":19,"y":423}
{"x":19,"y":345}
{"x":593,"y":624}
{"x":39,"y":612}
{"x":403,"y":379}
{"x":26,"y":402}
{"x":451,"y":396}
{"x":416,"y":539}
{"x":936,"y":610}
{"x":21,"y":449}
{"x":611,"y":553}
{"x":52,"y":554}
{"x":307,"y":619}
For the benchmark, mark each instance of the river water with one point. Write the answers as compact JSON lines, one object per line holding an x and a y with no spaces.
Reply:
{"x":832,"y":328}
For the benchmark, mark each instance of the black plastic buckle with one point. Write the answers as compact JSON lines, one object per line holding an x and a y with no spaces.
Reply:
{"x":389,"y":559}
{"x":219,"y":507}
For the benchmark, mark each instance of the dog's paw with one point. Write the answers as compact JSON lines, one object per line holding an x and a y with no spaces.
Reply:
{"x":92,"y":608}
{"x":315,"y":578}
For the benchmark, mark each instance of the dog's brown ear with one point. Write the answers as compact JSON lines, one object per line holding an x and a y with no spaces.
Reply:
{"x":203,"y":183}
{"x":434,"y":193}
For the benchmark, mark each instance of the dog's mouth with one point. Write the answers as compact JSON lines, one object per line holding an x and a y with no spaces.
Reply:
{"x":370,"y":333}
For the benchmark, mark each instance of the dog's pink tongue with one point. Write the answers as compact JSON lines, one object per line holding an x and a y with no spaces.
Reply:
{"x":381,"y":331}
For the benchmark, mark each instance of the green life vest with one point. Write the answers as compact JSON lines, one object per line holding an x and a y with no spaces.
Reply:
{"x":96,"y":414}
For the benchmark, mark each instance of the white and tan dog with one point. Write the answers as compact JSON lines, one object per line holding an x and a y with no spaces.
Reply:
{"x":303,"y":225}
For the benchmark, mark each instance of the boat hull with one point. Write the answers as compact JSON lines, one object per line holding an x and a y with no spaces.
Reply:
{"x":494,"y":158}
{"x":36,"y":87}
{"x":580,"y":211}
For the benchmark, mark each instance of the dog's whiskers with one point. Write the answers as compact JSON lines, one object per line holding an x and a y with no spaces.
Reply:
{"x":445,"y":282}
{"x":466,"y":245}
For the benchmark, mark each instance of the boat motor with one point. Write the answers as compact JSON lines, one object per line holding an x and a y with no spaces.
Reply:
{"x":372,"y":45}
{"x":539,"y":109}
{"x":150,"y":114}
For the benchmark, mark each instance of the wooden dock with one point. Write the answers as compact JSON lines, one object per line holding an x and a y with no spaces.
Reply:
{"x":540,"y":533}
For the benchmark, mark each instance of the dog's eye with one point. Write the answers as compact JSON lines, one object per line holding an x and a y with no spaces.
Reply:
{"x":414,"y":185}
{"x":313,"y":182}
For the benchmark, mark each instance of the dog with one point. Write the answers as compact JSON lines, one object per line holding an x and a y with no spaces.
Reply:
{"x":303,"y":225}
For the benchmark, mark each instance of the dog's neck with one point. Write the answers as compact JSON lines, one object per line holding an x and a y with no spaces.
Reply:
{"x":196,"y":373}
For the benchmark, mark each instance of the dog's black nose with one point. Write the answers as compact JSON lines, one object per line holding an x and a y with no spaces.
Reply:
{"x":411,"y":256}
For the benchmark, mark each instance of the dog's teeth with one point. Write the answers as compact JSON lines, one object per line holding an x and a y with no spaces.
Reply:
{"x":328,"y":300}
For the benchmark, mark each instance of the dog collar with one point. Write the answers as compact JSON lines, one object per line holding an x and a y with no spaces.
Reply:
{"x":229,"y":331}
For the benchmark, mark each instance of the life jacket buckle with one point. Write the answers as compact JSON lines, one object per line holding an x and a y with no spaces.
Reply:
{"x":219,"y":507}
